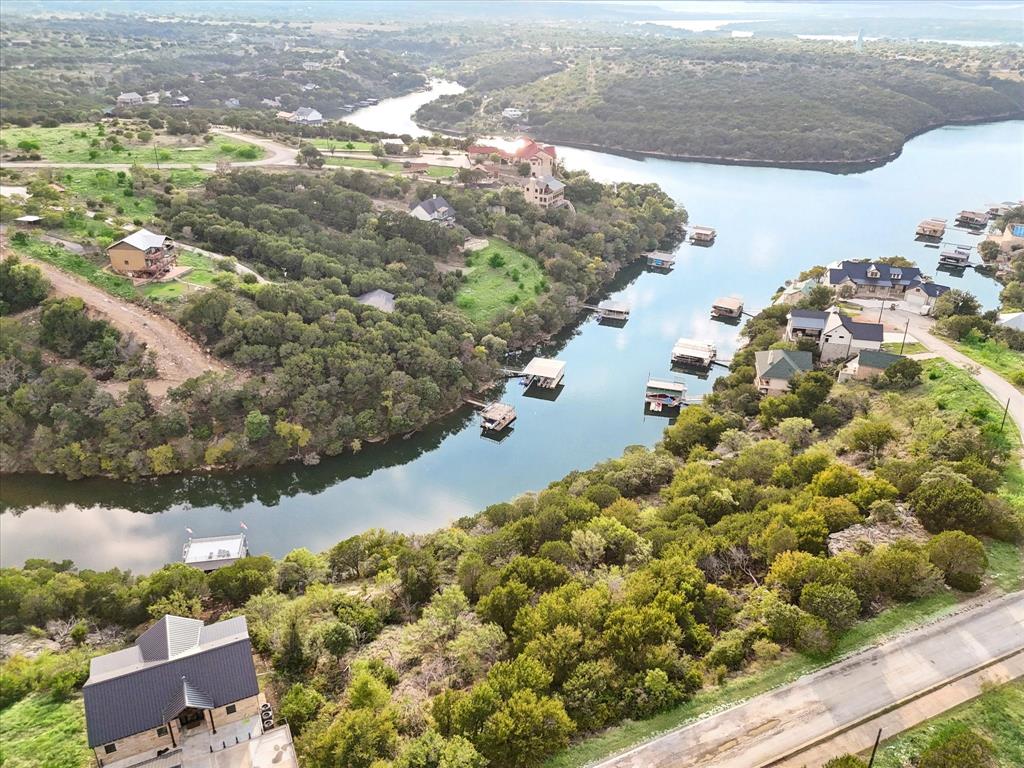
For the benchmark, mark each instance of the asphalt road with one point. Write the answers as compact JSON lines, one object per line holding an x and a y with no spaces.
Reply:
{"x":771,"y":727}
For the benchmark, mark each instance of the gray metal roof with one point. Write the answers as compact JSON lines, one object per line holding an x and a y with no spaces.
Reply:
{"x":877,"y":358}
{"x":143,"y":239}
{"x":185,"y":696}
{"x":128,"y":691}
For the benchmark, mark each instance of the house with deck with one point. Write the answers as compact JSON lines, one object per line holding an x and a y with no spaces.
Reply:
{"x":868,"y":364}
{"x":774,"y":369}
{"x":142,"y":254}
{"x":185,"y":693}
{"x":872,"y":280}
{"x":805,"y":324}
{"x":129,"y":99}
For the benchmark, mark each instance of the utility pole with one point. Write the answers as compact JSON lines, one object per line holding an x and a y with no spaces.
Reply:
{"x":874,"y":749}
{"x":907,"y":328}
{"x":156,"y":156}
{"x":1005,"y":411}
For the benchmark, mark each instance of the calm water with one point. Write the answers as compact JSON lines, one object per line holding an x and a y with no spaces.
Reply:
{"x":771,"y":224}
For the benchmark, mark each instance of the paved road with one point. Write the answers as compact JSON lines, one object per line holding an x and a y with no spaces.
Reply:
{"x":862,"y":737}
{"x":772,"y":726}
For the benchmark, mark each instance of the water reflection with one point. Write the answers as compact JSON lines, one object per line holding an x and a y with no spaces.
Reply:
{"x":771,"y":224}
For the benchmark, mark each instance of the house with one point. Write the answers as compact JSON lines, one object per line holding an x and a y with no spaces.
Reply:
{"x":393,"y":146}
{"x":868,"y":364}
{"x":434,"y":209}
{"x":869,"y":280}
{"x":378,"y":299}
{"x":511,"y":113}
{"x":213,"y":552}
{"x":484,"y":153}
{"x":805,"y":323}
{"x":1013,"y":320}
{"x":153,"y":97}
{"x":774,"y":369}
{"x":545,"y":191}
{"x":541,"y":157}
{"x":306,"y":116}
{"x":275,"y":102}
{"x":232,"y":103}
{"x":844,"y":337}
{"x":130,"y":99}
{"x":142,"y":254}
{"x":924,"y":294}
{"x":180,"y":101}
{"x":183,"y":691}
{"x":795,"y":290}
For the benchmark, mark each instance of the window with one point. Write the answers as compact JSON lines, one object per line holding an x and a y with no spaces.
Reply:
{"x":110,"y":748}
{"x":161,"y":731}
{"x":230,"y":709}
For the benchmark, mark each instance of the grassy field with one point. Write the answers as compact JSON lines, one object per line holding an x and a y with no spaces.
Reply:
{"x":43,"y":731}
{"x":498,"y":277}
{"x":78,"y":265}
{"x":1005,"y":565}
{"x":995,"y":355}
{"x":74,"y":144}
{"x":387,"y":166}
{"x":341,"y":146}
{"x":997,"y":714}
{"x":203,"y":271}
{"x":910,"y":348}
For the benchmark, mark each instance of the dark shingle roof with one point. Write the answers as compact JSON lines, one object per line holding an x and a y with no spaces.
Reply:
{"x":857,"y":271}
{"x":863,"y":331}
{"x":877,"y":358}
{"x":435,"y":204}
{"x":782,"y":363}
{"x":128,"y":691}
{"x":933,"y":289}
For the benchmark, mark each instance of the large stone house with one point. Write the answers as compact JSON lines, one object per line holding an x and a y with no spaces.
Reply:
{"x":545,"y":191}
{"x":540,"y":157}
{"x":129,"y":99}
{"x":868,"y":280}
{"x":142,"y":254}
{"x":185,"y":692}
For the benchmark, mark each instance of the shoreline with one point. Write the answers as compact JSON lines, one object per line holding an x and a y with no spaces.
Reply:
{"x":835,"y":167}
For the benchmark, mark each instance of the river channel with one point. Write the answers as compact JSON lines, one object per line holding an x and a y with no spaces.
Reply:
{"x":771,"y":223}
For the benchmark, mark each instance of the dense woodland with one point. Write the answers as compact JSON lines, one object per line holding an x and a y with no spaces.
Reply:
{"x":617,"y":591}
{"x":318,"y":372}
{"x":772,"y":101}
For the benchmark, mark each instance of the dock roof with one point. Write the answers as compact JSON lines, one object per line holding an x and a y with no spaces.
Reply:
{"x":670,"y":386}
{"x":613,"y":306}
{"x":697,"y":348}
{"x":544,"y":368}
{"x":729,"y":302}
{"x":215,"y":548}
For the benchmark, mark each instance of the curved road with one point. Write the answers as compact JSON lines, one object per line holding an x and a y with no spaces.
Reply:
{"x":781,"y":724}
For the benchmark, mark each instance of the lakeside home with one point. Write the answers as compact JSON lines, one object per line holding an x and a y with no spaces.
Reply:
{"x":774,"y":369}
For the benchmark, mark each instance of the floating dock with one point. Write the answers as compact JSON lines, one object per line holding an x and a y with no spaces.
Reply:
{"x":661,"y":394}
{"x":694,"y":354}
{"x":727,"y":306}
{"x":932,"y":228}
{"x":972,"y":219}
{"x":543,"y":372}
{"x":613,"y":310}
{"x":661,"y":260}
{"x":957,"y":257}
{"x":496,"y":417}
{"x":209,"y":554}
{"x":702,"y":235}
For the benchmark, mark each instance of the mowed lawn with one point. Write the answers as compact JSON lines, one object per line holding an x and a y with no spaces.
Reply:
{"x":387,"y":166}
{"x":204,"y":269}
{"x":997,"y":714}
{"x":498,"y":278}
{"x":341,"y":145}
{"x":85,"y":143}
{"x":41,"y":730}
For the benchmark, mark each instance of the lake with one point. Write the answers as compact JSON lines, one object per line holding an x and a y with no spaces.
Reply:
{"x":772,"y":223}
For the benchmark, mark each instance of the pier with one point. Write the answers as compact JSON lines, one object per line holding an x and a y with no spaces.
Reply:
{"x":615,"y":311}
{"x":703,"y":236}
{"x":693,"y":353}
{"x":661,"y":260}
{"x":727,"y":307}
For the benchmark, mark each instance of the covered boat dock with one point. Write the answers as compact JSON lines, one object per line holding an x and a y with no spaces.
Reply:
{"x":543,"y":372}
{"x":693,"y":353}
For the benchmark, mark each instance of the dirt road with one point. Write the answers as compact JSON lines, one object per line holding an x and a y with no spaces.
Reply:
{"x":178,"y":356}
{"x":777,"y":725}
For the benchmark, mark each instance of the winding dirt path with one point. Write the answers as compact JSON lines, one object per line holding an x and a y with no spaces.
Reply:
{"x":178,"y":356}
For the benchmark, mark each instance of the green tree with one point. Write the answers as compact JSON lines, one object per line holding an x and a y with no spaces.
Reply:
{"x":21,"y":286}
{"x":960,"y":557}
{"x":236,"y":583}
{"x":846,"y":761}
{"x":957,"y":745}
{"x":417,"y":571}
{"x":869,"y":434}
{"x":356,"y":738}
{"x":525,"y":730}
{"x":837,"y":605}
{"x":955,"y":302}
{"x":257,"y":426}
{"x":432,"y":750}
{"x":502,"y":604}
{"x":946,"y":500}
{"x":903,"y":374}
{"x":300,"y":705}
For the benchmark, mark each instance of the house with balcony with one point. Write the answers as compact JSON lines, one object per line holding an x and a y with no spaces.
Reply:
{"x":545,"y":191}
{"x":843,"y":338}
{"x":184,"y":694}
{"x":142,"y":254}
